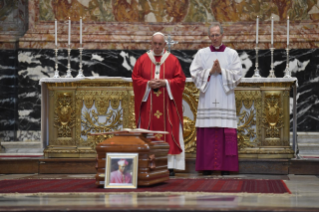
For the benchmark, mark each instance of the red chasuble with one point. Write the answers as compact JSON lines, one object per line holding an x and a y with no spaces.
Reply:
{"x":159,"y":112}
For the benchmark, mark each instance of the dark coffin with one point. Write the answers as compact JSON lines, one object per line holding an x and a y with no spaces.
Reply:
{"x":146,"y":149}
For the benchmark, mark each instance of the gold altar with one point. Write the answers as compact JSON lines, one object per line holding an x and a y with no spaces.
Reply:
{"x":74,"y":108}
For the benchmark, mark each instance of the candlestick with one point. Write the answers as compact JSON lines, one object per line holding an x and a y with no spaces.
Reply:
{"x":81,"y":30}
{"x":68,"y":73}
{"x":272,"y":30}
{"x":288,"y":31}
{"x":56,"y":32}
{"x":56,"y":72}
{"x":287,"y":71}
{"x":80,"y":74}
{"x":257,"y":23}
{"x":69,"y":37}
{"x":272,"y":72}
{"x":256,"y":75}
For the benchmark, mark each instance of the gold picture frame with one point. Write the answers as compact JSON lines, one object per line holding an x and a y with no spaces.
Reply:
{"x":121,"y":170}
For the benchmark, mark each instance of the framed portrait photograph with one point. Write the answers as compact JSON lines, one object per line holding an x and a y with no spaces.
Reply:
{"x":121,"y":170}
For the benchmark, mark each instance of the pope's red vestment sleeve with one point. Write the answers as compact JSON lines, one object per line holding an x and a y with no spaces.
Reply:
{"x":177,"y":84}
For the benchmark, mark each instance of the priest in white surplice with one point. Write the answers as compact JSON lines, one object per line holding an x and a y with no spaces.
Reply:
{"x":216,"y":71}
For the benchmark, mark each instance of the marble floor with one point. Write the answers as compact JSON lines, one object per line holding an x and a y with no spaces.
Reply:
{"x":304,"y":197}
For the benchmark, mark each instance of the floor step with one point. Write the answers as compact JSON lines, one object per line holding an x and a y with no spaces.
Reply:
{"x":41,"y":165}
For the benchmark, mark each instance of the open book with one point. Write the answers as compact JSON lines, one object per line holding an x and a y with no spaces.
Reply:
{"x":135,"y":131}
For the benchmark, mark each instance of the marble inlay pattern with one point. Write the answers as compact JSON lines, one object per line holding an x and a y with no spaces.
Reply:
{"x":128,"y":24}
{"x":6,"y":9}
{"x":8,"y":94}
{"x":177,"y":10}
{"x":13,"y":16}
{"x":13,"y":22}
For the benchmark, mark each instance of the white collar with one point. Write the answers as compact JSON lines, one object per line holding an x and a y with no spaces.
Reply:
{"x":218,"y":46}
{"x":161,"y":54}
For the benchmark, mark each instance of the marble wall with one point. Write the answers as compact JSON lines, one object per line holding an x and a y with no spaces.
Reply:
{"x":13,"y":25}
{"x":178,"y":10}
{"x":128,"y":24}
{"x":13,"y":22}
{"x":117,"y":32}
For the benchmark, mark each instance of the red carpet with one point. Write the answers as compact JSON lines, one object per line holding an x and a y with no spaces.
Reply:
{"x":172,"y":185}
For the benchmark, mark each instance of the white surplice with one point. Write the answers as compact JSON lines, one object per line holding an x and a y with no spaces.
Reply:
{"x":216,"y":106}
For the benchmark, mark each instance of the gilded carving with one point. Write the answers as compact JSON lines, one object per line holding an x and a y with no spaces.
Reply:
{"x":272,"y":119}
{"x":88,"y":107}
{"x":189,"y":135}
{"x":190,"y":95}
{"x":88,"y":101}
{"x":245,"y":132}
{"x":96,"y":139}
{"x":248,"y":133}
{"x":286,"y":94}
{"x":102,"y":104}
{"x":129,"y":112}
{"x":91,"y":123}
{"x":106,"y":114}
{"x":64,"y":115}
{"x":115,"y":101}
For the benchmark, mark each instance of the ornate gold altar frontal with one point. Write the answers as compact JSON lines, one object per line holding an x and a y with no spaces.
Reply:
{"x":78,"y":108}
{"x":263,"y":120}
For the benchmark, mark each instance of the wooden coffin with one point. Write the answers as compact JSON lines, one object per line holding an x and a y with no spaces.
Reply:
{"x":152,"y":157}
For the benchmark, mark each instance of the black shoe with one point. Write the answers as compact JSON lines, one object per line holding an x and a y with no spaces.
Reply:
{"x":206,"y":172}
{"x":171,"y":172}
{"x":225,"y":173}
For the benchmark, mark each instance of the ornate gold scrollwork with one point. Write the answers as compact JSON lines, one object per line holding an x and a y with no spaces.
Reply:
{"x":245,"y":132}
{"x":115,"y":101}
{"x":64,"y":115}
{"x":102,"y":104}
{"x":104,"y":118}
{"x":247,"y":118}
{"x":190,"y":95}
{"x":74,"y":140}
{"x":189,"y":135}
{"x":93,"y":141}
{"x":88,"y":101}
{"x":91,"y":123}
{"x":272,"y":119}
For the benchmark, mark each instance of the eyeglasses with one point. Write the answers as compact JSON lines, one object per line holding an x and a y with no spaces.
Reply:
{"x":215,"y":35}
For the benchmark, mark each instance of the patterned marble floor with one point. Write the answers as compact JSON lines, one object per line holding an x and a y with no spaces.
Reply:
{"x":304,"y":197}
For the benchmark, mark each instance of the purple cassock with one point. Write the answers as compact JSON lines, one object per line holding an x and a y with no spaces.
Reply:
{"x":217,"y":149}
{"x":118,"y":177}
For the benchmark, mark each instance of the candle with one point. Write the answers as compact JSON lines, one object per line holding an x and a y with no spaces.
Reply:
{"x":81,"y":30}
{"x":272,"y":30}
{"x":56,"y":32}
{"x":257,"y":22}
{"x":69,"y":40}
{"x":288,"y":31}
